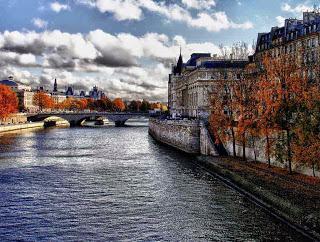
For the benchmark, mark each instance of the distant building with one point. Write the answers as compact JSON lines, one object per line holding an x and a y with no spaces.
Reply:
{"x":83,"y":94}
{"x":10,"y":83}
{"x":24,"y":94}
{"x":96,"y":94}
{"x":57,"y":96}
{"x":55,"y":86}
{"x":69,"y":92}
{"x":192,"y":83}
{"x":299,"y":38}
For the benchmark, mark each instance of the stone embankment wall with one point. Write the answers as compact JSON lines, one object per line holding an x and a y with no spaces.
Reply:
{"x":206,"y":143}
{"x":17,"y":127}
{"x":181,"y":134}
{"x":190,"y":136}
{"x":18,"y":118}
{"x":258,"y":153}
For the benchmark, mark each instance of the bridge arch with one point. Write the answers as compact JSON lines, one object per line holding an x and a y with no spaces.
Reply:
{"x":76,"y":118}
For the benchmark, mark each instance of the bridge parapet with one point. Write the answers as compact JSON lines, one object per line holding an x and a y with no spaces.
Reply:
{"x":75,"y":118}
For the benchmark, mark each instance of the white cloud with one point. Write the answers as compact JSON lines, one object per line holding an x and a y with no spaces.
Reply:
{"x":111,"y":61}
{"x":216,"y":22}
{"x":39,"y":23}
{"x":280,"y":20}
{"x":122,"y":9}
{"x":298,"y":9}
{"x":57,"y":7}
{"x":199,"y":4}
{"x":133,"y":10}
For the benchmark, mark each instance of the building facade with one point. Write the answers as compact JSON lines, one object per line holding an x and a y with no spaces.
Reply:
{"x":24,"y":95}
{"x":57,"y":97}
{"x":191,"y":84}
{"x":96,"y":94}
{"x":298,"y":38}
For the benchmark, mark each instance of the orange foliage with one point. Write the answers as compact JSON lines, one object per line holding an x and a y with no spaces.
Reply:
{"x":73,"y":104}
{"x":8,"y":101}
{"x":119,"y":104}
{"x":222,"y":119}
{"x":42,"y":100}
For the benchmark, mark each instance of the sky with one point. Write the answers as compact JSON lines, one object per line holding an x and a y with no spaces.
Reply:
{"x":125,"y":47}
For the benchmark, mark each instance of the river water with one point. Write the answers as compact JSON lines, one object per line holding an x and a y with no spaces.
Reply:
{"x":111,"y":184}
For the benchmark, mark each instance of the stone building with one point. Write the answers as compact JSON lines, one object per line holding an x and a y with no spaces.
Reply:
{"x":191,"y":84}
{"x":96,"y":94}
{"x":57,"y":97}
{"x":24,"y":94}
{"x":299,"y":38}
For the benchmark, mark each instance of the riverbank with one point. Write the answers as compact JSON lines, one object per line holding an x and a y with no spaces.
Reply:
{"x":34,"y":125}
{"x":18,"y":127}
{"x":295,"y":198}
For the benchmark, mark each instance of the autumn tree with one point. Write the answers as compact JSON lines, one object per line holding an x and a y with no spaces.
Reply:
{"x":8,"y":102}
{"x":83,"y":103}
{"x":42,"y":100}
{"x":306,"y":143}
{"x":267,"y":104}
{"x":134,"y":105}
{"x":103,"y":104}
{"x":145,"y":106}
{"x":222,"y":119}
{"x":244,"y":90}
{"x":118,"y":104}
{"x":286,"y":82}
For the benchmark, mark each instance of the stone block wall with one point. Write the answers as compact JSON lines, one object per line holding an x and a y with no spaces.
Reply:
{"x":190,"y":136}
{"x":181,"y":134}
{"x":261,"y":156}
{"x":206,"y":143}
{"x":17,"y":118}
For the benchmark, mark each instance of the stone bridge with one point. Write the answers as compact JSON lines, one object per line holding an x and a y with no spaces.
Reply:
{"x":76,"y":118}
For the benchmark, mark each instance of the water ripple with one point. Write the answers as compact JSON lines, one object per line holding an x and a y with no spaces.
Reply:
{"x":116,"y":184}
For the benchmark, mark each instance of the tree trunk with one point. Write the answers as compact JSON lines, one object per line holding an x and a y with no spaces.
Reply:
{"x":255,"y":151}
{"x":244,"y":146}
{"x":233,"y":143}
{"x":289,"y":150}
{"x":268,"y":151}
{"x":313,"y":169}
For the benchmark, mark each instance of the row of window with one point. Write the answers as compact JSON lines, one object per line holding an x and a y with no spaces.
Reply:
{"x":217,"y":76}
{"x":292,"y":48}
{"x":291,"y":36}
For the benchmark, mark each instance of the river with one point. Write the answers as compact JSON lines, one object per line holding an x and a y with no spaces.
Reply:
{"x":111,"y":184}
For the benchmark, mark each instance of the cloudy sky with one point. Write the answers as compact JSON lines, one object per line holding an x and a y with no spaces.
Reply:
{"x":125,"y":47}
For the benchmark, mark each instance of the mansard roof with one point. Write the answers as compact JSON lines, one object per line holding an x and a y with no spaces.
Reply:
{"x":292,"y":29}
{"x":224,"y":64}
{"x":193,"y":60}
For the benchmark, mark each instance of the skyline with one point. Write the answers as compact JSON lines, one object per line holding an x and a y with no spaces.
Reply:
{"x":125,"y":47}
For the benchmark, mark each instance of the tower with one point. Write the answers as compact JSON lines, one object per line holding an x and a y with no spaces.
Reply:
{"x":179,"y":64}
{"x":55,"y":86}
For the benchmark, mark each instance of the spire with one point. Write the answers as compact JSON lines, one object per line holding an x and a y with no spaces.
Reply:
{"x":55,"y":86}
{"x":179,"y":64}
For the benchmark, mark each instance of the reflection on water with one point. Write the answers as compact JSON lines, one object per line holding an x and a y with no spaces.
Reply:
{"x":117,"y":184}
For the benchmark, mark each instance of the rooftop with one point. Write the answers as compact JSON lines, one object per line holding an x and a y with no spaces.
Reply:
{"x":292,"y":29}
{"x":9,"y":83}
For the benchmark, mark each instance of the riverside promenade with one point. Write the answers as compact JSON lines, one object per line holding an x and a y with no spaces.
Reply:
{"x":293,"y":198}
